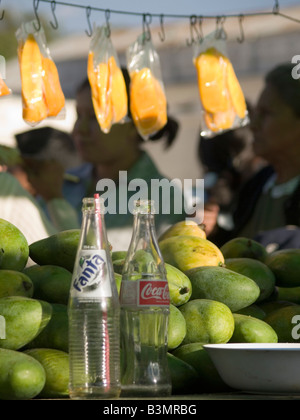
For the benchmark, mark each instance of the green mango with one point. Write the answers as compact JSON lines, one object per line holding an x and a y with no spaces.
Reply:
{"x":118,"y":255}
{"x":207,"y":322}
{"x":15,"y":283}
{"x":118,"y":265}
{"x":143,"y":262}
{"x":269,"y":307}
{"x":186,"y":252}
{"x":58,"y":249}
{"x":196,"y":356}
{"x":285,"y":264}
{"x":51,"y":283}
{"x":285,"y":322}
{"x":244,"y":248}
{"x":180,"y":286}
{"x":290,"y":294}
{"x":118,"y":279}
{"x":21,"y":376}
{"x":56,"y":333}
{"x":184,"y":227}
{"x":14,"y":249}
{"x":56,"y":366}
{"x":253,"y":310}
{"x":24,"y":318}
{"x":184,"y":377}
{"x":218,"y":283}
{"x":176,"y":328}
{"x":252,"y":330}
{"x":255,"y":270}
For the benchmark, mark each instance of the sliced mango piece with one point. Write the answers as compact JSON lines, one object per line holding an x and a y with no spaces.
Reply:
{"x":4,"y":90}
{"x":98,"y":76}
{"x":148,"y":102}
{"x":31,"y":66}
{"x":235,"y":91}
{"x":53,"y":94}
{"x":220,"y":92}
{"x":219,"y":120}
{"x":118,"y":91}
{"x":211,"y":71}
{"x":103,"y":84}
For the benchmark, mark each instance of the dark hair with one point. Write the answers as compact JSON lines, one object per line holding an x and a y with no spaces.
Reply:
{"x":168,"y":132}
{"x":287,"y":86}
{"x":32,"y":142}
{"x":217,"y":154}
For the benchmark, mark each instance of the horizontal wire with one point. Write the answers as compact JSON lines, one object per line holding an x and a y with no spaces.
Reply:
{"x":175,"y":16}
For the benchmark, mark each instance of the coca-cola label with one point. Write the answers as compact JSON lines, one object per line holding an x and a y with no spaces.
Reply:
{"x":154,"y":293}
{"x":90,"y":277}
{"x":145,"y":293}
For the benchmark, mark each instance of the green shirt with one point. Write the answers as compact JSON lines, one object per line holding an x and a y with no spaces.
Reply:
{"x":269,"y":211}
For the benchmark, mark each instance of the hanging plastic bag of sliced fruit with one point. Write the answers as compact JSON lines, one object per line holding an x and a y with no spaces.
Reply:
{"x":42,"y":95}
{"x":108,"y":88}
{"x":222,"y":99}
{"x":4,"y":89}
{"x":148,"y":104}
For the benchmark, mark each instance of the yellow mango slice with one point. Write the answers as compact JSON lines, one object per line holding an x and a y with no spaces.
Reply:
{"x":219,"y":120}
{"x":53,"y":94}
{"x":31,"y":67}
{"x":118,"y":91}
{"x":4,"y":90}
{"x":235,"y":91}
{"x":211,"y":71}
{"x":106,"y":114}
{"x":99,"y":81}
{"x":148,"y":103}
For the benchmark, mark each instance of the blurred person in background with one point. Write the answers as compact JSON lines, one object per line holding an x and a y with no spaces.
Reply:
{"x":268,"y":206}
{"x":17,"y":205}
{"x":46,"y":154}
{"x":228,"y":161}
{"x":105,"y":155}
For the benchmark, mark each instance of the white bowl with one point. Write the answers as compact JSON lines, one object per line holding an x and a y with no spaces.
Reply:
{"x":258,"y":368}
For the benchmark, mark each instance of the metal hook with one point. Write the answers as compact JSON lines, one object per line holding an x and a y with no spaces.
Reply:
{"x":35,"y":8}
{"x":147,"y":19}
{"x":162,"y":34}
{"x":107,"y":17}
{"x":241,"y":38}
{"x":201,"y":37}
{"x":276,"y":7}
{"x":220,"y":32}
{"x":193,"y":22}
{"x":2,"y":15}
{"x":88,"y":11}
{"x":53,"y":6}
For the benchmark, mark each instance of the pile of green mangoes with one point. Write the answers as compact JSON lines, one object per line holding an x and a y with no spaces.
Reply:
{"x":238,"y":293}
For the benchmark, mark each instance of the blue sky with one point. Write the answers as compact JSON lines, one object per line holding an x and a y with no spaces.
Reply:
{"x":74,"y":19}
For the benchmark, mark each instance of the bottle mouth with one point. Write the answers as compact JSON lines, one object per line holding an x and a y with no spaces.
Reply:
{"x":93,"y":203}
{"x":144,"y":207}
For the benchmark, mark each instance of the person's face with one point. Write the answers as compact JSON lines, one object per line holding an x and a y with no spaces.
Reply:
{"x":275,"y":126}
{"x":94,"y":145}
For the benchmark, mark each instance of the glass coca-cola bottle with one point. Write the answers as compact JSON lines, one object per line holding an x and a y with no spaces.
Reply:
{"x":145,"y":302}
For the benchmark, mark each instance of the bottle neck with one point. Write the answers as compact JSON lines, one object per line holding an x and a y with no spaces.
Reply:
{"x":144,"y":228}
{"x":93,"y":230}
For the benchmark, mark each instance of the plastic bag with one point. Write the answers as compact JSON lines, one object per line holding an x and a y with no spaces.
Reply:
{"x":109,"y":94}
{"x":222,"y":99}
{"x":148,"y":104}
{"x":4,"y":89}
{"x":42,"y":96}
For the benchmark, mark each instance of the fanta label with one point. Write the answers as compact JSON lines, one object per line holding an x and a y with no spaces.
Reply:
{"x":91,"y":277}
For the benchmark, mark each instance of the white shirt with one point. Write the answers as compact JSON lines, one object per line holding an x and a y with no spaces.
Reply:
{"x":18,"y":207}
